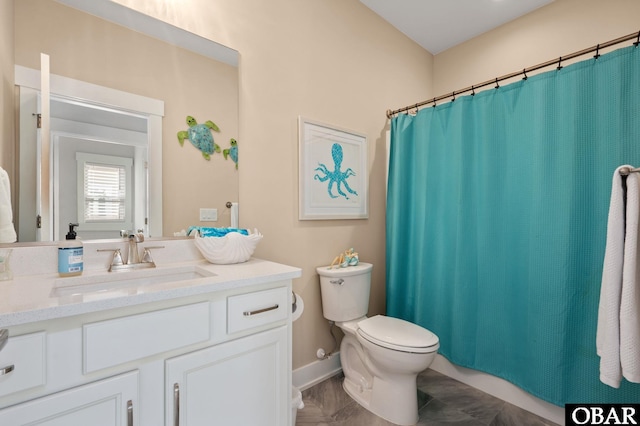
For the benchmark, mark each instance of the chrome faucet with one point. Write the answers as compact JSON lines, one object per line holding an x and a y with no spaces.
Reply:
{"x":133,"y":257}
{"x":134,"y":261}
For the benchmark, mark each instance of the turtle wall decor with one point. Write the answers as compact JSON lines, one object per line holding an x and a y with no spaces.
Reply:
{"x":200,"y":136}
{"x":232,"y":151}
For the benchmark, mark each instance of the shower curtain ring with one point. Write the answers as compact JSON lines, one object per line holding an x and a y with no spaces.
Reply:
{"x":473,"y":91}
{"x":453,"y":99}
{"x":434,"y":103}
{"x":524,"y":71}
{"x":637,"y":43}
{"x":559,"y":63}
{"x":497,"y":84}
{"x":597,"y":55}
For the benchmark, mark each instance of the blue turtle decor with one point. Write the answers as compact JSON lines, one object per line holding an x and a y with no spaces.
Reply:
{"x":232,"y":151}
{"x":200,"y":136}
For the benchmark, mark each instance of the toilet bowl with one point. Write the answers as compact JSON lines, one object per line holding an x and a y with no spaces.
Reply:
{"x":381,"y":356}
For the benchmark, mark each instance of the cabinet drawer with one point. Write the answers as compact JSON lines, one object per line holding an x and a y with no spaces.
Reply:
{"x":22,"y":363}
{"x":112,"y":342}
{"x":257,"y":309}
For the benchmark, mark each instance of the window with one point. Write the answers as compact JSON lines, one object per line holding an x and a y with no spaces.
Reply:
{"x":104,"y":191}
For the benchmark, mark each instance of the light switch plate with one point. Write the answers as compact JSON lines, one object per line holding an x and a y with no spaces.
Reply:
{"x":208,"y":215}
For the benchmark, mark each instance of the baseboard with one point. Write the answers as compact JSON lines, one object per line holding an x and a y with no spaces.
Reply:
{"x":316,"y":372}
{"x":499,"y":388}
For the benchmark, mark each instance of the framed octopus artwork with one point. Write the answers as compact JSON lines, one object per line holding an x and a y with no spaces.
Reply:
{"x":333,"y":181}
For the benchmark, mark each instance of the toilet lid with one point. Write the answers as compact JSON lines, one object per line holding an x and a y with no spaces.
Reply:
{"x":397,"y":334}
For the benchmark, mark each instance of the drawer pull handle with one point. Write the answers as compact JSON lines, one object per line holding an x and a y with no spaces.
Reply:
{"x":129,"y":413}
{"x":176,"y":404}
{"x":259,"y":311}
{"x":6,"y":370}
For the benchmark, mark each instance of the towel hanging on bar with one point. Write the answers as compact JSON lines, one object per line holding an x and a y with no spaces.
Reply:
{"x":618,"y":330}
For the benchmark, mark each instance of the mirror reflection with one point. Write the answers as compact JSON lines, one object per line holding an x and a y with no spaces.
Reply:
{"x":98,"y":146}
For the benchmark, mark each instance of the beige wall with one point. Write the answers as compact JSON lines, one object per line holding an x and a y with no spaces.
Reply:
{"x":560,"y":28}
{"x":337,"y":62}
{"x":334,"y":61}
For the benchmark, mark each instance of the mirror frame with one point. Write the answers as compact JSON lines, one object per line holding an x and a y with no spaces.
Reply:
{"x":89,"y":93}
{"x":156,"y":28}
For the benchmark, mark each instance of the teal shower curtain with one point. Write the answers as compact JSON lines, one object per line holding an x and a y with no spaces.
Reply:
{"x":496,"y":223}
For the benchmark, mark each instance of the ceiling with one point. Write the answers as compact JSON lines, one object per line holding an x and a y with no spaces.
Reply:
{"x":438,"y":25}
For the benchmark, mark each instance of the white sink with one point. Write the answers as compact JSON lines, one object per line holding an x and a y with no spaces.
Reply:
{"x":127,"y":281}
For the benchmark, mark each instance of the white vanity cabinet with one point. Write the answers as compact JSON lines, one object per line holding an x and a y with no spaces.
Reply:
{"x":235,"y":383}
{"x":108,"y":402}
{"x":219,"y":356}
{"x":239,"y":382}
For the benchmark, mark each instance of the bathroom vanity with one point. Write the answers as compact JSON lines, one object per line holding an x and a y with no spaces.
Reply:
{"x":190,"y":343}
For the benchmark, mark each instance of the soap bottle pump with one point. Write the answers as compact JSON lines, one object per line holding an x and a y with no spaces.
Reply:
{"x":70,"y":252}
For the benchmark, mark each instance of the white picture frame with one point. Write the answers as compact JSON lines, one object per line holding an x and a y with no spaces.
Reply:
{"x":333,"y":178}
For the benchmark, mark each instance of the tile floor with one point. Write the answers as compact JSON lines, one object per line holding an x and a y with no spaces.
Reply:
{"x":442,"y":401}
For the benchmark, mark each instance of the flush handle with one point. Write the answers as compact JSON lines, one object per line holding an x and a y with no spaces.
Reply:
{"x":339,"y":281}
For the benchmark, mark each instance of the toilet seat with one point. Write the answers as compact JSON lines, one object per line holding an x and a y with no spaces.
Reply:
{"x":397,"y":334}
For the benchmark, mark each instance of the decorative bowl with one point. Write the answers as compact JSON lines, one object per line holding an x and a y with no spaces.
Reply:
{"x":234,"y":247}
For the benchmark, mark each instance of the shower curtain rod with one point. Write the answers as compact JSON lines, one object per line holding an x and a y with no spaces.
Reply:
{"x":524,"y":72}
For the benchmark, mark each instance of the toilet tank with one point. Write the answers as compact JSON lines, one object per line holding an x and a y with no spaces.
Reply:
{"x":345,"y":291}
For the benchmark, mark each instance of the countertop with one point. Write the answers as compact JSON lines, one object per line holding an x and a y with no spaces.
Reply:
{"x":32,"y":298}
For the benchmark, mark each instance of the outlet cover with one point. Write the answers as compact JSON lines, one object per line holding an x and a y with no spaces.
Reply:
{"x":208,"y":215}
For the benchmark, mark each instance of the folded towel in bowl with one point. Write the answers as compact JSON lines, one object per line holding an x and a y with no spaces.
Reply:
{"x":214,"y":232}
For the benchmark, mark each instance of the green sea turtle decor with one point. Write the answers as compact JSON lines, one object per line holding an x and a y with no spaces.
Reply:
{"x":200,"y":136}
{"x":232,"y":152}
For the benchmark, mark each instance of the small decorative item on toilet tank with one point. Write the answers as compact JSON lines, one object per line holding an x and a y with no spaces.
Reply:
{"x":348,"y":258}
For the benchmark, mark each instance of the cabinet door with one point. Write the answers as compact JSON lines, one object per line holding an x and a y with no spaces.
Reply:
{"x":109,"y":402}
{"x":238,"y":383}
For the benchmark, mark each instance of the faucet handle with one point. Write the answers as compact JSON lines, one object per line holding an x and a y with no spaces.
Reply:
{"x":146,"y":254}
{"x":116,"y":260}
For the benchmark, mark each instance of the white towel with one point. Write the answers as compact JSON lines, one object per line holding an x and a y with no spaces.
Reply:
{"x":615,"y":342}
{"x":7,"y":230}
{"x":630,"y":297}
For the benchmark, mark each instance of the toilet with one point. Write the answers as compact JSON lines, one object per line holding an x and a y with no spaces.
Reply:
{"x":381,"y":356}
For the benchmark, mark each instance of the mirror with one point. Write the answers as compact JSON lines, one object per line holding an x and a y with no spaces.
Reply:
{"x":101,"y":54}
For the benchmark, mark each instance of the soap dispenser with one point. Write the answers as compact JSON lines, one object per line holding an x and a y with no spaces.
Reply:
{"x":70,"y":252}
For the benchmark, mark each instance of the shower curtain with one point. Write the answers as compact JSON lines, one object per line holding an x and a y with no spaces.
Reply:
{"x":496,"y":223}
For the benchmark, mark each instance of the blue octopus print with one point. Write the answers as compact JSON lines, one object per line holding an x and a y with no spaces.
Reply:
{"x":336,"y":176}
